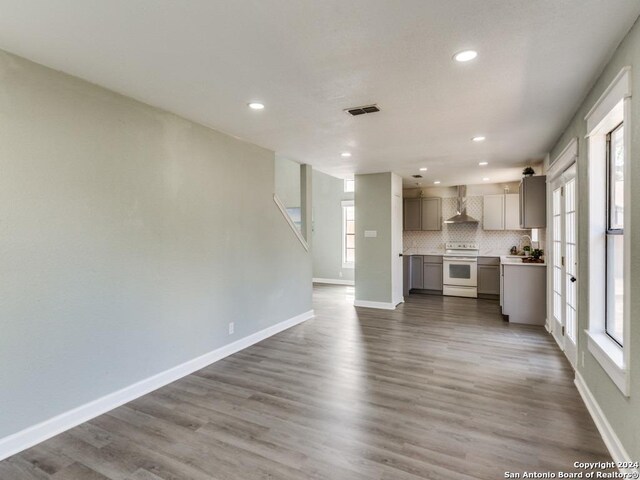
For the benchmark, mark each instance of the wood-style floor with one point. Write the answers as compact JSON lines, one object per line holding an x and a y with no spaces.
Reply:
{"x":441,"y":388}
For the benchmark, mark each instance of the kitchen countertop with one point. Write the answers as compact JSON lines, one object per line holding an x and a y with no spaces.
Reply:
{"x":516,"y":261}
{"x":504,"y":259}
{"x":483,"y":253}
{"x":413,"y":251}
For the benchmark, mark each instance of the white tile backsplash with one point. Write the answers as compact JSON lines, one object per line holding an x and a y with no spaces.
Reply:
{"x":493,"y":243}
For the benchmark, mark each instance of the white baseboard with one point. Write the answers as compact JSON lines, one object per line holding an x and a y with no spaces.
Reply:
{"x":334,"y":281}
{"x":611,"y":440}
{"x":40,"y":432}
{"x":380,"y":305}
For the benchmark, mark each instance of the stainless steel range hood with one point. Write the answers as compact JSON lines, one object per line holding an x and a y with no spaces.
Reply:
{"x":461,"y":215}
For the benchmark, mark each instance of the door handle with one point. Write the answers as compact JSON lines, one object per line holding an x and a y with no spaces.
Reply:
{"x":400,"y":255}
{"x":573,"y":279}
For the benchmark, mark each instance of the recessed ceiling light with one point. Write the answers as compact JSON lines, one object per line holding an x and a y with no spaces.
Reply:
{"x":345,"y":154}
{"x":479,"y":138}
{"x":423,"y":169}
{"x":437,"y":182}
{"x":486,"y":179}
{"x":465,"y":55}
{"x":482,"y":164}
{"x":256,"y":105}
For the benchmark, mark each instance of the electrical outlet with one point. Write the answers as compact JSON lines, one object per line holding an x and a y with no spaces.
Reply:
{"x":231,"y":328}
{"x":340,"y":274}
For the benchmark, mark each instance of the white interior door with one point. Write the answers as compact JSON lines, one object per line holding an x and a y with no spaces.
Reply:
{"x":564,"y":261}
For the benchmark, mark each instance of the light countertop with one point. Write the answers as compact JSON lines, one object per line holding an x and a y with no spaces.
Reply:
{"x":516,"y":261}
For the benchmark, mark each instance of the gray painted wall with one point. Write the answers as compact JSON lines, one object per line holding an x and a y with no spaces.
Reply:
{"x":373,"y":255}
{"x":623,"y":413}
{"x":126,"y":245}
{"x":287,"y":181}
{"x":328,"y":194}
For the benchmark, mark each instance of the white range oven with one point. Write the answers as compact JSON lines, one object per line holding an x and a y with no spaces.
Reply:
{"x":460,"y":269}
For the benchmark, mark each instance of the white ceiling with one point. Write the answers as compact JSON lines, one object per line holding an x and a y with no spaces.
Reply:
{"x":307,"y":60}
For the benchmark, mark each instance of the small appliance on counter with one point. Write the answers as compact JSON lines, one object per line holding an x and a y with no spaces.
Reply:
{"x":460,"y":269}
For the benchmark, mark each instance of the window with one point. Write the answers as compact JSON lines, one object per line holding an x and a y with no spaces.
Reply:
{"x":348,"y":234}
{"x":608,"y":251}
{"x":614,"y":318}
{"x":349,"y":185}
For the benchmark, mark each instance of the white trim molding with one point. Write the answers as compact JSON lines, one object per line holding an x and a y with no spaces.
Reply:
{"x":40,"y":432}
{"x":564,"y":160}
{"x":286,"y":216}
{"x":611,"y":440}
{"x":379,"y":305}
{"x":334,"y":281}
{"x":619,"y":89}
{"x":610,"y":357}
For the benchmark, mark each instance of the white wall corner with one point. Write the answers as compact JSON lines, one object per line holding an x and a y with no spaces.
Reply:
{"x":611,"y":440}
{"x":40,"y":432}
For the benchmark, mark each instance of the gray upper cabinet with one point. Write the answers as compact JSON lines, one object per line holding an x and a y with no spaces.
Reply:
{"x":533,"y":202}
{"x":412,"y":214}
{"x":431,"y":214}
{"x":422,"y":214}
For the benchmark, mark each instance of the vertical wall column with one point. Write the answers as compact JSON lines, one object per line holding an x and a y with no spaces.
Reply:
{"x":377,"y":236}
{"x":306,"y":192}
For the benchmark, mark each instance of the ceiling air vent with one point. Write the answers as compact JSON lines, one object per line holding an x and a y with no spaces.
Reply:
{"x":355,"y":111}
{"x":416,"y":176}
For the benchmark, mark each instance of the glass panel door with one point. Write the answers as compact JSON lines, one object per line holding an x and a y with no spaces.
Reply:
{"x":558,"y":311}
{"x":564,"y":261}
{"x":571,"y":270}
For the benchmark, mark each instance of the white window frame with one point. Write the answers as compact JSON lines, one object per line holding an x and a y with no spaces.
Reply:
{"x":349,"y":185}
{"x":345,"y":204}
{"x":612,"y":108}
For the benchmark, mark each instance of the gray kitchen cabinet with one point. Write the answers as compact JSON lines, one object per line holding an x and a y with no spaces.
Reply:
{"x":406,"y":274}
{"x":432,"y":273}
{"x":533,"y":202}
{"x":431,"y":214}
{"x":422,"y":214}
{"x":489,"y":276}
{"x":417,"y":271}
{"x":524,"y":293}
{"x":412,"y":214}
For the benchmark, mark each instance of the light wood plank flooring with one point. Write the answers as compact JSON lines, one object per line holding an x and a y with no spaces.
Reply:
{"x":441,"y":388}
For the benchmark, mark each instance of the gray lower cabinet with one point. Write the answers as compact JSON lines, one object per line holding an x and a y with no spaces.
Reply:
{"x":416,"y":271}
{"x":412,"y":214}
{"x":406,"y":274}
{"x":489,"y":276}
{"x":524,"y":298}
{"x":432,"y":276}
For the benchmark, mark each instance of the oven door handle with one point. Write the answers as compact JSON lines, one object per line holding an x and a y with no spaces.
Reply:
{"x":460,"y":259}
